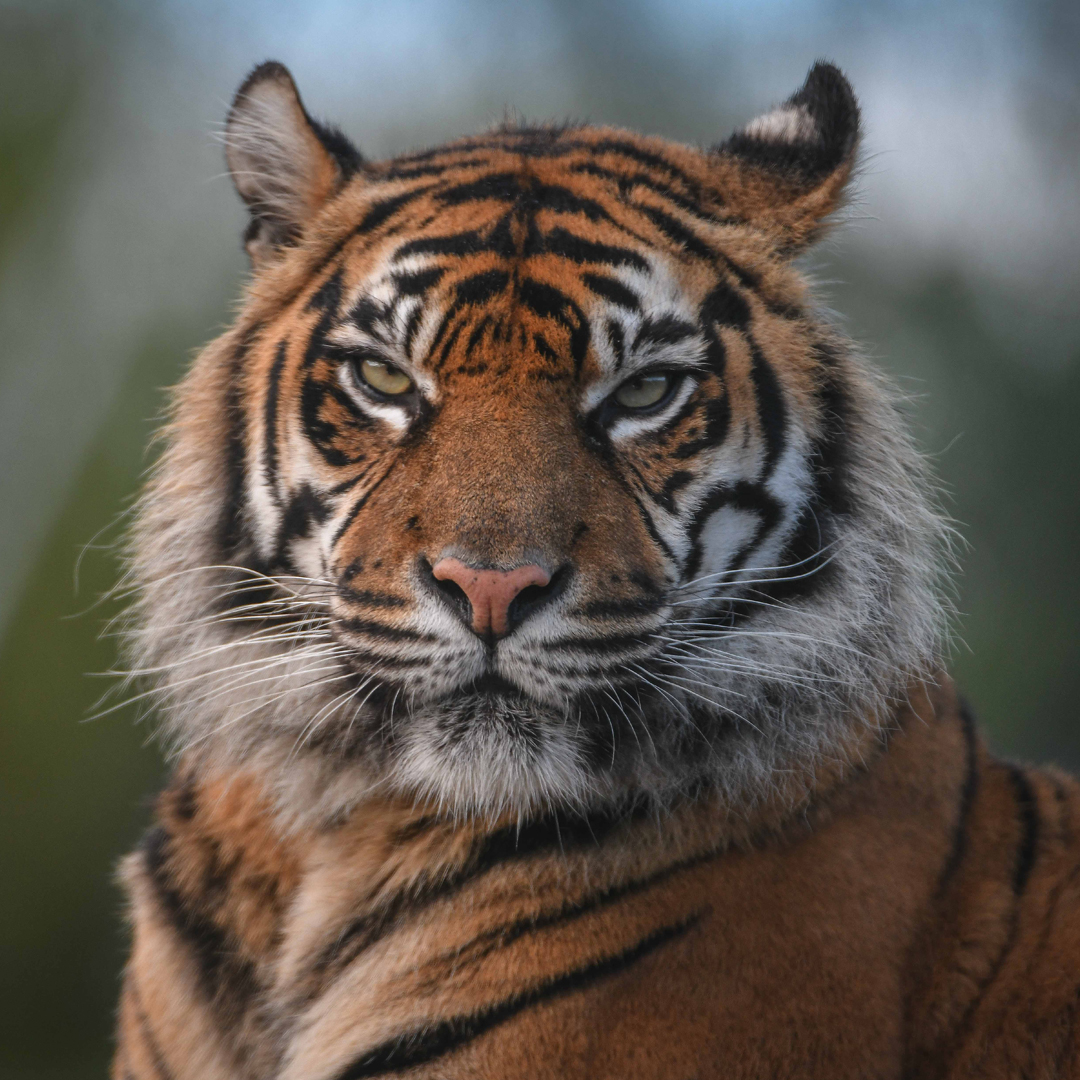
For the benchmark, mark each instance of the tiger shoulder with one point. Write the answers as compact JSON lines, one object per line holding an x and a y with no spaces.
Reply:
{"x":545,"y":607}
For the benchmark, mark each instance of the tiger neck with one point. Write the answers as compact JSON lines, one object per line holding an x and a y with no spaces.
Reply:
{"x":385,"y":849}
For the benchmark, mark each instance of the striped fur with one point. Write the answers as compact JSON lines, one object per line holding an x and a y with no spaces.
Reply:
{"x":879,"y":935}
{"x":395,"y":845}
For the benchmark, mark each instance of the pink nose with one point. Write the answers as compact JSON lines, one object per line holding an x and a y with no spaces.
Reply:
{"x":490,"y":592}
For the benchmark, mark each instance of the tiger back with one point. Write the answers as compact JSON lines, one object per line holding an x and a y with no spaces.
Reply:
{"x":544,"y":605}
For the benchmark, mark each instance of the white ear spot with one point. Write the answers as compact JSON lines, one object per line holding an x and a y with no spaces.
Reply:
{"x":788,"y":124}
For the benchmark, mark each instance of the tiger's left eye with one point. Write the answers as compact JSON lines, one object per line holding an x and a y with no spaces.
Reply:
{"x":644,"y":391}
{"x":385,"y":378}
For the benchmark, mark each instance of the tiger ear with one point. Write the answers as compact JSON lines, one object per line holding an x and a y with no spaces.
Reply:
{"x":786,"y":171}
{"x":284,"y":164}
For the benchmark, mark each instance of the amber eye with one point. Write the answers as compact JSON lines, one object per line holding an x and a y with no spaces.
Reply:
{"x":644,"y":391}
{"x":384,"y":378}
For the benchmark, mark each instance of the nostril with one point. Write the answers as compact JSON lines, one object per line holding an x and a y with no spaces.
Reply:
{"x":450,"y":591}
{"x":533,"y":597}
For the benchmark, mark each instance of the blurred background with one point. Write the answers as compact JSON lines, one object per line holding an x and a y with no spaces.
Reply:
{"x":120,"y":255}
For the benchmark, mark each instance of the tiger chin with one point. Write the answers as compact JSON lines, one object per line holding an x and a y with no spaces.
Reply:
{"x":545,"y":607}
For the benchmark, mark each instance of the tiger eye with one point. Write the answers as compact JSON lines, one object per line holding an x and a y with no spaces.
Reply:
{"x":385,"y":378}
{"x":643,"y":391}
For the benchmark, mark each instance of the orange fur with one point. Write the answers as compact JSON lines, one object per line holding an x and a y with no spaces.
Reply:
{"x":884,"y":933}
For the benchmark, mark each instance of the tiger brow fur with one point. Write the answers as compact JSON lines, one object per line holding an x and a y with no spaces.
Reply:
{"x":537,"y":264}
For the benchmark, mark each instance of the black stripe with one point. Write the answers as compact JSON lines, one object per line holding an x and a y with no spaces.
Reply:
{"x":745,"y":496}
{"x":968,"y":790}
{"x":598,"y":646}
{"x":418,"y":282}
{"x":725,"y":305}
{"x":664,"y":330}
{"x":345,"y":486}
{"x":370,"y":599}
{"x":322,"y":432}
{"x":411,"y":172}
{"x":225,"y":978}
{"x":366,"y":314}
{"x":499,"y":937}
{"x":611,"y":289}
{"x":771,"y":410}
{"x":715,"y":420}
{"x":556,"y":832}
{"x":1027,"y":811}
{"x":541,"y":345}
{"x":273,"y":389}
{"x":381,"y":212}
{"x":550,"y":303}
{"x":411,"y":327}
{"x":672,"y":486}
{"x":458,"y":245}
{"x":327,"y":296}
{"x":232,"y":529}
{"x":304,"y":509}
{"x":481,"y":287}
{"x":562,"y":200}
{"x":752,"y":282}
{"x":422,"y":1045}
{"x":334,"y":141}
{"x":343,"y":528}
{"x":614,"y":609}
{"x":477,"y":335}
{"x":651,"y":529}
{"x":448,"y":344}
{"x":678,"y":233}
{"x":830,"y":453}
{"x":626,"y":182}
{"x":161,"y":1068}
{"x":642,"y":157}
{"x":501,"y":240}
{"x":568,"y":246}
{"x":454,"y":153}
{"x":386,"y":633}
{"x":359,"y":656}
{"x":501,"y":187}
{"x":806,"y":549}
{"x":618,"y":342}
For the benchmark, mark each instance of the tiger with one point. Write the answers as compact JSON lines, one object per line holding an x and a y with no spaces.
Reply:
{"x":545,"y":608}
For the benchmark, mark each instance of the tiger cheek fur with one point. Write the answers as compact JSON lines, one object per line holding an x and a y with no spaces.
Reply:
{"x":544,"y":604}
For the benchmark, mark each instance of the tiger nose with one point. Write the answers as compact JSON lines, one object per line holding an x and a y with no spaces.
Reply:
{"x":490,"y":592}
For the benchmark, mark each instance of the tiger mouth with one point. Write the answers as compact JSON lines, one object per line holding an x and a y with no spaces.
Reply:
{"x":490,"y":686}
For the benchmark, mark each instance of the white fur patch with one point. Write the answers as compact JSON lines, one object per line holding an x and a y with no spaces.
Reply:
{"x":788,"y":124}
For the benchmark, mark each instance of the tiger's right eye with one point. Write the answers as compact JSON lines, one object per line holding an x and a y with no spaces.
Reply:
{"x":384,"y":378}
{"x":645,"y":391}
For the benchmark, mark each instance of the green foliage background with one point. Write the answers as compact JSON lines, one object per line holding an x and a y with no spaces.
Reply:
{"x":995,"y":399}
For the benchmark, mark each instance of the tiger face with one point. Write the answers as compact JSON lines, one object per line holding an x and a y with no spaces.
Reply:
{"x":529,"y":476}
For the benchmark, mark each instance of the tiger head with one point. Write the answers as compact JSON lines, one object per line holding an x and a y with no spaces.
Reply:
{"x":530,"y":476}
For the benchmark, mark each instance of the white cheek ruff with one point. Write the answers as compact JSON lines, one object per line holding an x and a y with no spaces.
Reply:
{"x":725,"y":534}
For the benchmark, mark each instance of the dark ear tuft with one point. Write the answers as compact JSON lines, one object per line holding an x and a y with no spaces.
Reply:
{"x":796,"y":159}
{"x":284,"y":164}
{"x":810,"y":135}
{"x":338,"y":145}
